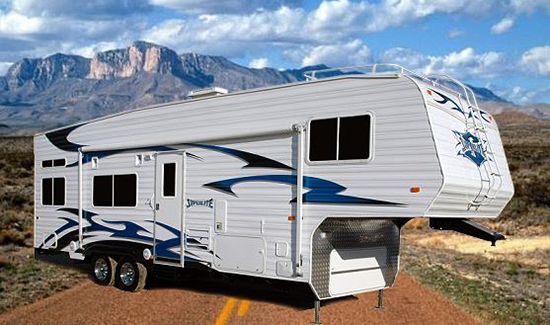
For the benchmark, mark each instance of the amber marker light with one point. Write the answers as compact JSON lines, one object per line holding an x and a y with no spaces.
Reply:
{"x":429,"y":92}
{"x":415,"y":189}
{"x":291,"y":218}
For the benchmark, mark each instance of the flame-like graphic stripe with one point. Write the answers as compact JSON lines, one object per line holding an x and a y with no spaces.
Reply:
{"x":320,"y":190}
{"x":130,"y":231}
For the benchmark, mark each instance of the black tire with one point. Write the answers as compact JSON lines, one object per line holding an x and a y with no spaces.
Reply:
{"x":103,"y":270}
{"x":130,"y":275}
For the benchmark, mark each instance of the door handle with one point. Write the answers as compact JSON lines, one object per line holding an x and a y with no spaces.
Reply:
{"x":149,"y":202}
{"x":157,"y":206}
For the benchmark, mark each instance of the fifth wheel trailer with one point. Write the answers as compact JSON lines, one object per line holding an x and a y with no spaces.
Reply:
{"x":308,"y":182}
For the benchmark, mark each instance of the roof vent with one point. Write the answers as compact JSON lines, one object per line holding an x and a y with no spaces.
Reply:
{"x":207,"y":92}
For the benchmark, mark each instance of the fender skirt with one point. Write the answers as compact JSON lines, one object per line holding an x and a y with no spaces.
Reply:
{"x":467,"y":227}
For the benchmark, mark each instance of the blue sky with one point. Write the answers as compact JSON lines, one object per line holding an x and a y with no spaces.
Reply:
{"x":503,"y":45}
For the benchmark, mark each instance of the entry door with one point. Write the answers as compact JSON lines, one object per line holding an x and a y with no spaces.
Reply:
{"x":169,"y":216}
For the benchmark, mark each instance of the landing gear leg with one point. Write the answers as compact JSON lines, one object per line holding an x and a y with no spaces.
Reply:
{"x":380,"y":305}
{"x":317,"y":312}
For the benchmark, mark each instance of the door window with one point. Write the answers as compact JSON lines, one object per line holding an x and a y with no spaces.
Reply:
{"x":169,"y":180}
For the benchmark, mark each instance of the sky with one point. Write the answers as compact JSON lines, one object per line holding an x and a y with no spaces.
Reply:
{"x":502,"y":45}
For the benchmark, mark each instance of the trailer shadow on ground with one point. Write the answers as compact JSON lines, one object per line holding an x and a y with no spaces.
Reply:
{"x":286,"y":293}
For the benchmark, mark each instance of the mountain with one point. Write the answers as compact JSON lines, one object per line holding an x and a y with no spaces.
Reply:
{"x":43,"y":93}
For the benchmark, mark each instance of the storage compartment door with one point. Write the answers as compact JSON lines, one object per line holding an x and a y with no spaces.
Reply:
{"x":357,"y":270}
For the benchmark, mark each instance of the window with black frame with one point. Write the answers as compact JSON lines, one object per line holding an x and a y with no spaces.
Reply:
{"x":340,"y":138}
{"x":115,"y":190}
{"x":53,"y":191}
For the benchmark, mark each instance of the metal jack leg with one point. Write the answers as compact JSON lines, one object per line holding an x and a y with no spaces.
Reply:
{"x":317,"y":312}
{"x":380,"y":305}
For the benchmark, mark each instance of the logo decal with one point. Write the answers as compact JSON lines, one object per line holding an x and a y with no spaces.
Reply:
{"x":200,"y":203}
{"x":470,"y":147}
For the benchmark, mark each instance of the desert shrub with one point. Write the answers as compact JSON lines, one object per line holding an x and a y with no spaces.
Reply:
{"x":15,"y":197}
{"x":12,"y":236}
{"x":3,"y":262}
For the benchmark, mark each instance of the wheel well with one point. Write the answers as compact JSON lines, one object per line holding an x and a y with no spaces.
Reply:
{"x":116,"y":249}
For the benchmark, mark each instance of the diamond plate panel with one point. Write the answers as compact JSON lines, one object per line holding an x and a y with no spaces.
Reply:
{"x":346,"y":233}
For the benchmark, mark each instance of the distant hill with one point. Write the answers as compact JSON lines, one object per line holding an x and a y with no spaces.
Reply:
{"x":43,"y":93}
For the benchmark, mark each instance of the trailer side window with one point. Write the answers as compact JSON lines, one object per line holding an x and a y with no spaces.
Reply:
{"x":354,"y":138}
{"x":340,"y":138}
{"x":322,"y":139}
{"x":47,"y":163}
{"x":115,"y":190}
{"x":47,"y":193}
{"x":103,"y":191}
{"x":58,"y":191}
{"x":53,"y":191}
{"x":125,"y":190}
{"x":54,"y":163}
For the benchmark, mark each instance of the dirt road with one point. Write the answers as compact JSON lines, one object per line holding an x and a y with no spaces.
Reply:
{"x":408,"y":302}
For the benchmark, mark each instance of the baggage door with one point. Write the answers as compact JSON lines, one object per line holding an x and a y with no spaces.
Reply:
{"x":169,"y":213}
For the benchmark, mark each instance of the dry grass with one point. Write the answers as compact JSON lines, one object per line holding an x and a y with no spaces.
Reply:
{"x":527,"y":144}
{"x":530,"y":251}
{"x":16,"y":191}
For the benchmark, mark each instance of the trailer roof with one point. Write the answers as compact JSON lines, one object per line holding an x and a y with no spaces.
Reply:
{"x":236,"y":93}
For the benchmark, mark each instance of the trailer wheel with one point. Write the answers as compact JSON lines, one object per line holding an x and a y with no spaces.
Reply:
{"x":130,"y":275}
{"x":103,"y":270}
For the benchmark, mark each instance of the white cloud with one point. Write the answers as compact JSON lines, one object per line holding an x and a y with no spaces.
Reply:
{"x":536,"y":60}
{"x":15,"y":24}
{"x":224,"y":6}
{"x":454,"y":33}
{"x":90,"y":50}
{"x":462,"y":64}
{"x":331,"y":22}
{"x":4,"y":66}
{"x":230,"y":34}
{"x":82,"y":9}
{"x":35,"y":32}
{"x":524,"y":96}
{"x":391,"y":13}
{"x":530,"y":6}
{"x":503,"y":26}
{"x":339,"y":54}
{"x":259,"y":63}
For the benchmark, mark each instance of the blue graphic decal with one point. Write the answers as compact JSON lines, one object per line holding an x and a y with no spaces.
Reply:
{"x":471,"y":147}
{"x":59,"y":138}
{"x":321,"y":191}
{"x":252,"y":160}
{"x":130,"y":230}
{"x":446,"y":99}
{"x":483,"y":115}
{"x":163,"y":248}
{"x":70,"y":223}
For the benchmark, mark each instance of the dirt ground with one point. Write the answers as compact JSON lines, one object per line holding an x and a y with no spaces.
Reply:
{"x":407,"y":303}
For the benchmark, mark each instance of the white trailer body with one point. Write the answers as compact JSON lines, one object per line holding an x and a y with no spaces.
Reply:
{"x":307,"y":182}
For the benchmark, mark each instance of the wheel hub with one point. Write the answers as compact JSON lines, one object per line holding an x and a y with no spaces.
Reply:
{"x":101,"y":269}
{"x":127,"y":274}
